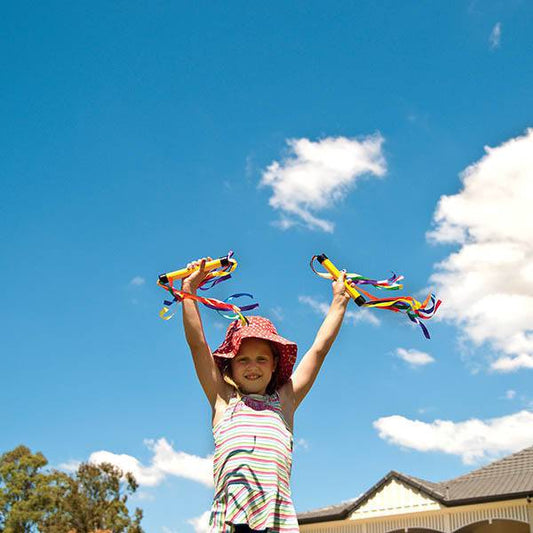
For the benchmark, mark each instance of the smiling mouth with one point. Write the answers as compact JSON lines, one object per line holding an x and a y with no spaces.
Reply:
{"x":252,"y":377}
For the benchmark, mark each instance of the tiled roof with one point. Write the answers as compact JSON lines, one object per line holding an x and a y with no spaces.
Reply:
{"x":433,"y":489}
{"x":332,"y":512}
{"x":510,"y":477}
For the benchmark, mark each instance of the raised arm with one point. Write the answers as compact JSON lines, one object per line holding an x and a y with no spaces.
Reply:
{"x":305,"y":374}
{"x":206,"y":369}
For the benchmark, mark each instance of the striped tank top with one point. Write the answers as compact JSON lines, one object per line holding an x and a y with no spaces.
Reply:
{"x":252,"y":466}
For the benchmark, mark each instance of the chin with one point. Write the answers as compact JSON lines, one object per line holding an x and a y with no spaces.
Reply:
{"x":253,"y":389}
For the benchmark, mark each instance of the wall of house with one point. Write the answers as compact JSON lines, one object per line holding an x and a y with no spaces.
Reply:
{"x":497,"y":526}
{"x":507,"y":517}
{"x":395,"y":498}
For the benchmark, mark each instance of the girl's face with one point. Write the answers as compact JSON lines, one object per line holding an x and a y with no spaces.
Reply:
{"x":253,"y":366}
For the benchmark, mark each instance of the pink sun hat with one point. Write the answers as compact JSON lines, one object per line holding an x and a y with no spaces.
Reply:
{"x":258,"y":327}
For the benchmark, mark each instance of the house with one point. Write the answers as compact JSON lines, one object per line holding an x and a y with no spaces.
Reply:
{"x":497,"y":498}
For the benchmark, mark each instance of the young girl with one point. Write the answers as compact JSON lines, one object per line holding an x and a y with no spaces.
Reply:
{"x":254,"y":393}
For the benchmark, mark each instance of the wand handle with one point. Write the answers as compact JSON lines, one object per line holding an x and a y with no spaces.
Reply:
{"x":184,"y":272}
{"x":334,"y":271}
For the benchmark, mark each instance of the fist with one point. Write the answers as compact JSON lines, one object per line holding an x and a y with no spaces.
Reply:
{"x":197,"y":276}
{"x":339,"y":289}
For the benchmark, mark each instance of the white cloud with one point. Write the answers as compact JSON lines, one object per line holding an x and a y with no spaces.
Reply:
{"x":317,"y":175}
{"x":414,"y":357}
{"x":200,"y":523}
{"x":70,"y":466}
{"x":511,"y":364}
{"x":473,"y":440}
{"x":321,"y":308}
{"x":165,"y":461}
{"x":487,"y":285}
{"x":495,"y":36}
{"x":510,"y":394}
{"x":137,"y":281}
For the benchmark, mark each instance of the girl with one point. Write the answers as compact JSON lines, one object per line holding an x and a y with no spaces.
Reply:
{"x":253,"y":393}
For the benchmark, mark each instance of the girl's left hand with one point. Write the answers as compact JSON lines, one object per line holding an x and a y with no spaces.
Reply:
{"x":339,"y":290}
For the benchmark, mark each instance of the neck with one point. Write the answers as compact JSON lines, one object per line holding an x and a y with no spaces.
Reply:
{"x":260,"y":393}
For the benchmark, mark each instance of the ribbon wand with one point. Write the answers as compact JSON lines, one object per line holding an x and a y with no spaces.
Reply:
{"x":210,"y":265}
{"x":415,"y":310}
{"x":217,"y":270}
{"x":335,"y":273}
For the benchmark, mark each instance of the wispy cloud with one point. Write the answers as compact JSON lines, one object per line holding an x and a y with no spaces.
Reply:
{"x":249,"y":167}
{"x":473,"y":440}
{"x":200,"y":523}
{"x":137,"y":281}
{"x":414,"y":357}
{"x":302,"y":444}
{"x":487,"y":285}
{"x":277,"y":313}
{"x":321,"y":308}
{"x":143,"y":496}
{"x":510,"y":394}
{"x":495,"y":36}
{"x":316,"y":176}
{"x":165,"y":462}
{"x":166,"y":529}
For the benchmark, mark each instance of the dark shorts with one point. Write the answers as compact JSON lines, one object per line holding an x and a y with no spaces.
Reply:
{"x":244,"y":528}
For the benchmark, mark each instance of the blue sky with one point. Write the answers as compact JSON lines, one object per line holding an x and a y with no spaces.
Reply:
{"x":139,"y":136}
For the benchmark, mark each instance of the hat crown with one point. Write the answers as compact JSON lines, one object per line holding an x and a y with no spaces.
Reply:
{"x":255,"y":323}
{"x":259,"y":322}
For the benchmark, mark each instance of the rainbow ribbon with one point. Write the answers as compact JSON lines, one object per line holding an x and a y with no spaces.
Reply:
{"x":408,"y":305}
{"x":221,"y":271}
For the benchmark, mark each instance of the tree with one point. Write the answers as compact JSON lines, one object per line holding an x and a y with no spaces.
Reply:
{"x":26,"y":493}
{"x":93,"y":499}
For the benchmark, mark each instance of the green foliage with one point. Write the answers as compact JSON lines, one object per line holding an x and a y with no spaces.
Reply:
{"x":93,"y":498}
{"x":24,"y":491}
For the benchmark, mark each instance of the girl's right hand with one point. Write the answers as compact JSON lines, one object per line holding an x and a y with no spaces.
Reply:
{"x":194,"y":280}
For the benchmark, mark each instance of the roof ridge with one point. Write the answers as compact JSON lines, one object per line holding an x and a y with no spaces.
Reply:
{"x":332,"y":506}
{"x":423,"y":481}
{"x":431,"y":488}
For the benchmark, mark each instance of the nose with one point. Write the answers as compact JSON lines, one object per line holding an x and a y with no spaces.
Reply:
{"x":252,"y":365}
